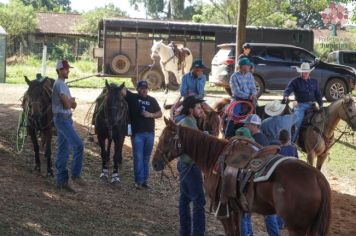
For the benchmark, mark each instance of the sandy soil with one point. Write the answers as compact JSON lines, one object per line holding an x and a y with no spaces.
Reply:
{"x":31,"y":205}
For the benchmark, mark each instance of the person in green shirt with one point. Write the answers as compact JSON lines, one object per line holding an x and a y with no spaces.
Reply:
{"x":190,"y":178}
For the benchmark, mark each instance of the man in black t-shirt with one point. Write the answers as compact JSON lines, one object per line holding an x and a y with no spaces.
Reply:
{"x":143,"y":110}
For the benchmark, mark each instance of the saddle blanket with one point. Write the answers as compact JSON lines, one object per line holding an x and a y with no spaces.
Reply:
{"x":265,"y":173}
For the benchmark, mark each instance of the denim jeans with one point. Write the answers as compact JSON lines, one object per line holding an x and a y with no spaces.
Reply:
{"x":142,"y":144}
{"x":272,"y":225}
{"x":299,"y":111}
{"x":246,"y":225}
{"x":191,"y":191}
{"x":270,"y":221}
{"x":67,"y":139}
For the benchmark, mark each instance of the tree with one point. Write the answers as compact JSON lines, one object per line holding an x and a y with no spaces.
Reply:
{"x":18,"y":20}
{"x":49,"y":5}
{"x":353,"y":18}
{"x":90,"y":21}
{"x":241,"y":26}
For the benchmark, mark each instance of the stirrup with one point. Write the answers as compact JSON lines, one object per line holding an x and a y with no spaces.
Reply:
{"x":222,"y":211}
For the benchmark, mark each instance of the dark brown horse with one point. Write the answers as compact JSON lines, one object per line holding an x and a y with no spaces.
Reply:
{"x":296,"y":191}
{"x":38,"y":98}
{"x":111,"y":125}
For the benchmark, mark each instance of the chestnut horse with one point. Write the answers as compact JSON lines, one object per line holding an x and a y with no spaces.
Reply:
{"x":283,"y":194}
{"x":318,"y":143}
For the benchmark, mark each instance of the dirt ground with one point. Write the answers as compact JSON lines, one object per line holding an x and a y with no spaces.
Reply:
{"x":30,"y":204}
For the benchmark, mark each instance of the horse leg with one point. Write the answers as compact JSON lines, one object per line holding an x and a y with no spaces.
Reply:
{"x":118,"y":142}
{"x":310,"y":157}
{"x":36,"y":149}
{"x":48,"y":152}
{"x":320,"y":160}
{"x":104,"y":172}
{"x":166,"y":79}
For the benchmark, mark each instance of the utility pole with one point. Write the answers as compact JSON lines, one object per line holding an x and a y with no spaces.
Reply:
{"x":241,"y":28}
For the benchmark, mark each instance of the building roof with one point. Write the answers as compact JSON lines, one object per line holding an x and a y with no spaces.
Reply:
{"x":2,"y":31}
{"x":58,"y":23}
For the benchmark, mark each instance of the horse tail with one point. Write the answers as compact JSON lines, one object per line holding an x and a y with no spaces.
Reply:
{"x":321,"y":224}
{"x":167,"y":107}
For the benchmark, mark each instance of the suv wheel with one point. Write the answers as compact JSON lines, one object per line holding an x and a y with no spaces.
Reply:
{"x":335,"y":89}
{"x":260,"y":87}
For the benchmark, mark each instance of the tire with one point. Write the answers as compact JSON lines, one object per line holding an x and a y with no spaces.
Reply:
{"x":154,"y":79}
{"x":260,"y":87}
{"x":335,"y":89}
{"x":120,"y":64}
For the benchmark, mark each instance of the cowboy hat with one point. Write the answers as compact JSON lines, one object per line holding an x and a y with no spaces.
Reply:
{"x":304,"y":68}
{"x":274,"y":108}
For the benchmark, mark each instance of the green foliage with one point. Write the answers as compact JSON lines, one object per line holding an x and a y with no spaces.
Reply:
{"x":49,"y":5}
{"x":353,"y":19}
{"x":323,"y":49}
{"x":62,"y":51}
{"x":17,"y":19}
{"x":92,"y":18}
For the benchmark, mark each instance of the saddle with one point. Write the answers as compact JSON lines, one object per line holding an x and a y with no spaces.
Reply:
{"x":315,"y":119}
{"x":239,"y":172}
{"x":180,"y":53}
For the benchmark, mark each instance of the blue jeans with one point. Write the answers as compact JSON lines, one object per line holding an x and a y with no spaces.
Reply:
{"x":67,"y":139}
{"x":299,"y":111}
{"x":246,"y":225}
{"x":191,"y":191}
{"x":142,"y":145}
{"x":272,"y":225}
{"x":270,"y":221}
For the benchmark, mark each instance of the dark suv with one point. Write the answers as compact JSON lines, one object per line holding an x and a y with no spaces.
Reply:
{"x":274,"y":67}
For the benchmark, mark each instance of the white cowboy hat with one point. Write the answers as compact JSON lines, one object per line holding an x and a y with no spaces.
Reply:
{"x":274,"y":108}
{"x":304,"y":67}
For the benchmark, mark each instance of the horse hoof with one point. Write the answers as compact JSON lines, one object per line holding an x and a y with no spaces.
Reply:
{"x":115,"y":179}
{"x":104,"y":176}
{"x":50,"y":174}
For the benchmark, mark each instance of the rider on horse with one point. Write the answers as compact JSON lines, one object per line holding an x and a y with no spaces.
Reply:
{"x":306,"y":91}
{"x":243,"y":88}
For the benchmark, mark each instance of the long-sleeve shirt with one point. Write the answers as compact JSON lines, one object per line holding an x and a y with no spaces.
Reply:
{"x":273,"y":125}
{"x":192,"y":86}
{"x":242,"y":85}
{"x":304,"y":90}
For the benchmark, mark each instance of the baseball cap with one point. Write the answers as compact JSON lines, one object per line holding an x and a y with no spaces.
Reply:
{"x":252,"y":119}
{"x":62,"y":64}
{"x":142,"y":84}
{"x":246,"y":45}
{"x":198,"y":64}
{"x":190,"y":102}
{"x":244,"y":61}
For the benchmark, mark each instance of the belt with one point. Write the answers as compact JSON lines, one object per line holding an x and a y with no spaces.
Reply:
{"x":63,"y":115}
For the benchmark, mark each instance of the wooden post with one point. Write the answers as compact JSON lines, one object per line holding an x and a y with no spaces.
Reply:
{"x":241,"y":28}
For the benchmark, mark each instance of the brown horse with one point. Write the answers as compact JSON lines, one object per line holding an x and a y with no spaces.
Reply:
{"x":318,"y":143}
{"x":283,"y":194}
{"x":38,"y":98}
{"x":209,"y":123}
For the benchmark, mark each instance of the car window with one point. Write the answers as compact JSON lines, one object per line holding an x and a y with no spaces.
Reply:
{"x":349,"y":58}
{"x":273,"y":54}
{"x":224,"y":53}
{"x":300,"y":56}
{"x":332,"y":58}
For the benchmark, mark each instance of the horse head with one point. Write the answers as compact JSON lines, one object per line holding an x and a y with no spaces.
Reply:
{"x":211,"y":122}
{"x":39,"y":99}
{"x":156,"y":48}
{"x":116,"y":106}
{"x":348,"y":111}
{"x":168,"y":147}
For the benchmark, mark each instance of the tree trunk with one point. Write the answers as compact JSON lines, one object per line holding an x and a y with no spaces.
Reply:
{"x":241,"y":27}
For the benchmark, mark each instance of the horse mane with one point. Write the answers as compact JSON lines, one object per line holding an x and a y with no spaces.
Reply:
{"x":203,"y":149}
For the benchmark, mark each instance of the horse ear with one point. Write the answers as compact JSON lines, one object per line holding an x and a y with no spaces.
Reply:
{"x":27,"y":80}
{"x":107,"y":84}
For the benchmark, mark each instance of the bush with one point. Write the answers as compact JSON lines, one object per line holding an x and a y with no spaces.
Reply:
{"x":62,"y":51}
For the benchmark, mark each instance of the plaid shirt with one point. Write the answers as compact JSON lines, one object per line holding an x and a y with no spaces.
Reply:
{"x":242,"y":85}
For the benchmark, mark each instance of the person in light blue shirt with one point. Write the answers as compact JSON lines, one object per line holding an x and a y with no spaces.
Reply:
{"x":277,"y":121}
{"x":193,"y":83}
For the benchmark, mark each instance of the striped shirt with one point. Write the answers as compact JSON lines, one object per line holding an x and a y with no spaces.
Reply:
{"x":242,"y":85}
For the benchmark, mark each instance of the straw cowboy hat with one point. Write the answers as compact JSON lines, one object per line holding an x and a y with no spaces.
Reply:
{"x":274,"y":108}
{"x":304,"y":68}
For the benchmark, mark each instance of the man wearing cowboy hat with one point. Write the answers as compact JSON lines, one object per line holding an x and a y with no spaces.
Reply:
{"x":192,"y":222}
{"x":306,"y":91}
{"x":277,"y":121}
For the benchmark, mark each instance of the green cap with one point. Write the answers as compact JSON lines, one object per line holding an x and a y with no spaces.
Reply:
{"x":244,"y":62}
{"x":243,"y":131}
{"x":198,"y":63}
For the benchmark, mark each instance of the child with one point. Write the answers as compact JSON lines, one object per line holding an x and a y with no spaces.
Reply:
{"x":287,"y":149}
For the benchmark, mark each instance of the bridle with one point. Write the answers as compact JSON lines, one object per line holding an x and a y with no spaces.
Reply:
{"x":44,"y":113}
{"x":348,"y":116}
{"x":177,"y":145}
